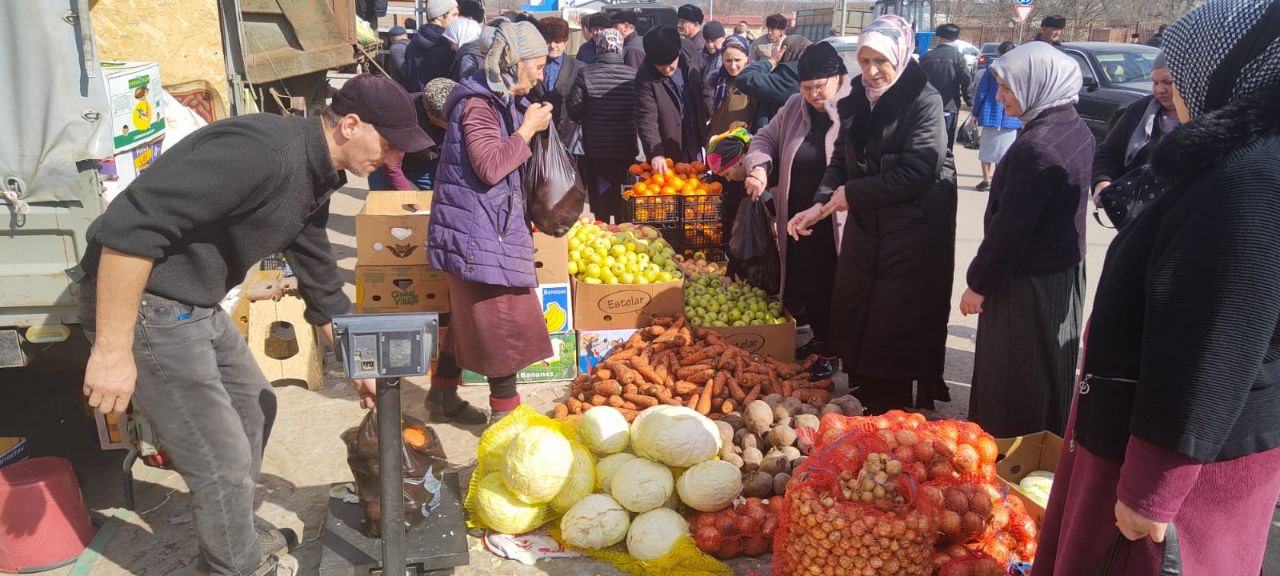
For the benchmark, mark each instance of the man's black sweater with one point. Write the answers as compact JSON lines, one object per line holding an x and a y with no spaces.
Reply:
{"x":222,"y":199}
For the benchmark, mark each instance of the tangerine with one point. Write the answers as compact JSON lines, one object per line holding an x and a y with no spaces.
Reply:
{"x":414,"y":437}
{"x":669,"y":191}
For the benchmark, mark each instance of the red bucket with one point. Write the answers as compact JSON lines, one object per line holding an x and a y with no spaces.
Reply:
{"x":43,"y":520}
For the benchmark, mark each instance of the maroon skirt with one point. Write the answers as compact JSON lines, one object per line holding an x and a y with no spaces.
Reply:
{"x":494,"y":330}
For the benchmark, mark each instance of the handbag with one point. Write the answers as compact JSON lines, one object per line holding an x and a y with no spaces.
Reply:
{"x":968,"y":135}
{"x":1128,"y":196}
{"x":1170,"y":559}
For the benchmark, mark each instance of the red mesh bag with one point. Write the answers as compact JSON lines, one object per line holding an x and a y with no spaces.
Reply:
{"x":744,"y":530}
{"x":972,"y":564}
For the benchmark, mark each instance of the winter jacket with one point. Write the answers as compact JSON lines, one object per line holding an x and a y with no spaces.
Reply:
{"x":737,"y":109}
{"x":771,"y":88}
{"x":892,"y":297}
{"x":633,"y":51}
{"x":469,"y":61}
{"x":691,"y":51}
{"x":1186,"y":322}
{"x":1035,"y":219}
{"x":949,"y":75}
{"x":395,"y":58}
{"x":603,"y":101}
{"x":587,"y":53}
{"x":570,"y":69}
{"x":1109,"y":161}
{"x":664,"y":129}
{"x":988,"y":110}
{"x":478,"y":230}
{"x":429,"y":56}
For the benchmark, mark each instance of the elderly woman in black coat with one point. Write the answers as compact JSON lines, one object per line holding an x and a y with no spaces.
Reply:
{"x":892,"y":292}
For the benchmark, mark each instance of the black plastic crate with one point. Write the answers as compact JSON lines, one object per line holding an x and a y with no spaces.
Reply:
{"x":702,"y":208}
{"x":705,"y":237}
{"x":654,"y":209}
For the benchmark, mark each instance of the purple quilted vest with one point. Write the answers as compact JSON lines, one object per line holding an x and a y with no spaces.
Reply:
{"x":479,"y":232}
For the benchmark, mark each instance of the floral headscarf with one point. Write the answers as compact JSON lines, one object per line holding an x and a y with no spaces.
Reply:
{"x":894,"y":38}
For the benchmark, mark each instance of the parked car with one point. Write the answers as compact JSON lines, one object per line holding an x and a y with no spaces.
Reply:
{"x":970,"y":53}
{"x":990,"y":51}
{"x":1114,"y":75}
{"x":652,"y":14}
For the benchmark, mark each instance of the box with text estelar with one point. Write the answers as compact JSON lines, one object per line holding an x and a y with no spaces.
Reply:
{"x":622,"y":306}
{"x":391,"y":229}
{"x":776,"y":340}
{"x":400,"y":289}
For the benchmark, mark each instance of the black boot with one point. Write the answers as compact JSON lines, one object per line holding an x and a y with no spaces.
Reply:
{"x":444,"y":405}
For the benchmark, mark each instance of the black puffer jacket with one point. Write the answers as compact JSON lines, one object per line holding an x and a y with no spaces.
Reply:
{"x":603,"y":101}
{"x":1184,"y":339}
{"x":949,"y":75}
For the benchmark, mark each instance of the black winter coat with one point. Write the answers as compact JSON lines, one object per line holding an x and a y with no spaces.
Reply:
{"x":1108,"y":161}
{"x":949,"y":75}
{"x":429,"y":56}
{"x":770,"y":88}
{"x":633,"y":51}
{"x":570,"y":68}
{"x":892,"y":296}
{"x":1188,"y":304}
{"x":603,"y":101}
{"x":663,"y":128}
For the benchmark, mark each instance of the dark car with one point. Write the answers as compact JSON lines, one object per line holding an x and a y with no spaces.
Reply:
{"x":1114,"y":76}
{"x":990,"y":51}
{"x":652,"y":14}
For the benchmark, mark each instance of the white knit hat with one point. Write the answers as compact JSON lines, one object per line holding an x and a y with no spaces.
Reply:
{"x":438,"y":8}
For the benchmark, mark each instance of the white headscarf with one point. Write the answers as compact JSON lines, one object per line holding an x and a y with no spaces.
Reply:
{"x":462,"y":31}
{"x":1040,"y":77}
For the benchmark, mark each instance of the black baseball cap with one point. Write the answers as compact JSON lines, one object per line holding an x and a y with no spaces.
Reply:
{"x":384,"y":104}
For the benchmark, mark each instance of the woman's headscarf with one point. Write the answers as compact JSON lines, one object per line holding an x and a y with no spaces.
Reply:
{"x":609,"y":42}
{"x":794,"y":47}
{"x":1040,"y":77}
{"x":512,"y":42}
{"x":725,"y":150}
{"x":1222,"y":51}
{"x":821,"y":61}
{"x":894,"y":38}
{"x":462,"y":31}
{"x":739,"y":43}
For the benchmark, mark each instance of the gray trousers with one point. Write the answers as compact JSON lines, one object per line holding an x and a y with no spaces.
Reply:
{"x":212,"y":409}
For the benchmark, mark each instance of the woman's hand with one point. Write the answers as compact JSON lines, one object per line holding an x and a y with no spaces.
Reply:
{"x":756,"y":182}
{"x":1097,"y":189}
{"x":659,"y":164}
{"x":802,"y":224}
{"x":971,"y":302}
{"x":1135,"y":526}
{"x":536,"y":119}
{"x":837,"y":203}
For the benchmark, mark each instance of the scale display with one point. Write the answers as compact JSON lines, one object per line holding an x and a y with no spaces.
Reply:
{"x":386,"y":345}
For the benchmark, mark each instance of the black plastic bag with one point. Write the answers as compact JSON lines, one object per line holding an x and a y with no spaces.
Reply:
{"x":968,"y":135}
{"x":553,"y":188}
{"x":752,"y":248}
{"x":423,"y":465}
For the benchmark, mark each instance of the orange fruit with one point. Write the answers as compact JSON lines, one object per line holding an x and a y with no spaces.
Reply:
{"x":670,"y":163}
{"x":716,"y":187}
{"x":659,"y":179}
{"x":669,"y":191}
{"x":636,"y":169}
{"x":682,"y":168}
{"x":414,"y":437}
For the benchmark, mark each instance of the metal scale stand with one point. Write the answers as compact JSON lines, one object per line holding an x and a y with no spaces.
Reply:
{"x":388,"y":347}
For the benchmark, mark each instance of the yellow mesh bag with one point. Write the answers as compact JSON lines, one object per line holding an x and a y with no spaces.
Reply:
{"x":684,"y":558}
{"x":493,"y":447}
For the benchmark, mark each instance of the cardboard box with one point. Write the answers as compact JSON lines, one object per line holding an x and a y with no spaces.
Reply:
{"x":120,"y":171}
{"x":137,"y":102}
{"x":391,"y":229}
{"x":113,"y":431}
{"x":621,"y":306}
{"x":595,"y":345}
{"x":551,"y":258}
{"x":776,"y":340}
{"x":1023,"y":455}
{"x":400,"y":289}
{"x":559,"y":366}
{"x":557,"y":307}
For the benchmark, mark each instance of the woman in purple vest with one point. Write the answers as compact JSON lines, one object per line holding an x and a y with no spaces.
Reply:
{"x":479,"y":233}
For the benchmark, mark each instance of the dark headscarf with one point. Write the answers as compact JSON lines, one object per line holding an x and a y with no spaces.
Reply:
{"x":795,"y":47}
{"x":661,"y":46}
{"x":821,"y":61}
{"x":1224,"y":50}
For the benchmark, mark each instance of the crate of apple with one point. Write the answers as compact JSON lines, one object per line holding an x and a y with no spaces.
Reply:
{"x":711,"y":300}
{"x":622,"y":254}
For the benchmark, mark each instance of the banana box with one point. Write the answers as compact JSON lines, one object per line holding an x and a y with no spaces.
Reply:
{"x":557,"y":307}
{"x":558,"y":367}
{"x":595,"y":345}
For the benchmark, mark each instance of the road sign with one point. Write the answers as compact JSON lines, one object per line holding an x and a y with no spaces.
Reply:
{"x":1024,"y":11}
{"x":1023,"y":2}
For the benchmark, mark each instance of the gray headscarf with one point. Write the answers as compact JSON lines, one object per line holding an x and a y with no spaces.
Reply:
{"x":1207,"y":67}
{"x":512,"y":42}
{"x":1040,"y":77}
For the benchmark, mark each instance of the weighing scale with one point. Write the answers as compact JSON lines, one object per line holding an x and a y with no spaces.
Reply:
{"x":387,"y":347}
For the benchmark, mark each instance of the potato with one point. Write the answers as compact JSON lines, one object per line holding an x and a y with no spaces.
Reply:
{"x":751,"y":458}
{"x":757,"y":485}
{"x":744,"y":438}
{"x":775,"y":462}
{"x":726,"y":437}
{"x":782,"y":411}
{"x":782,"y":421}
{"x":734,"y":459}
{"x":793,"y":404}
{"x":780,"y":483}
{"x":782,"y":436}
{"x":759,"y":416}
{"x":772,"y":400}
{"x":791,"y":452}
{"x":733,"y":419}
{"x":805,"y":421}
{"x":831,"y":409}
{"x":809,"y":409}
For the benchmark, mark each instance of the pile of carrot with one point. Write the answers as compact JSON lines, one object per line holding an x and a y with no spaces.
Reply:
{"x":673,"y":363}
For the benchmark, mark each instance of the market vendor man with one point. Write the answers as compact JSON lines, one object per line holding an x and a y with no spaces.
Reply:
{"x":166,"y":252}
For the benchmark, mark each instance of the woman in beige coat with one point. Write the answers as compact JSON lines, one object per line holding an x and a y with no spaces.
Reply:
{"x":795,"y":147}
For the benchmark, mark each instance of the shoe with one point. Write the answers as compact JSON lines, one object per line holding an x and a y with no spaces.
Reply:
{"x":823,"y":368}
{"x":495,"y":416}
{"x":983,"y":186}
{"x":274,"y":541}
{"x":447,"y":406}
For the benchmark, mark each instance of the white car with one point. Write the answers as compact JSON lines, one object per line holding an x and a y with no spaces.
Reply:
{"x":970,"y":54}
